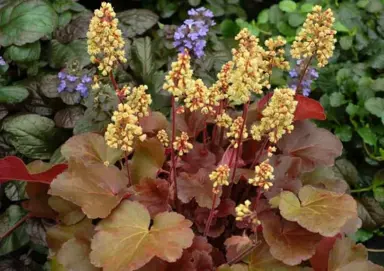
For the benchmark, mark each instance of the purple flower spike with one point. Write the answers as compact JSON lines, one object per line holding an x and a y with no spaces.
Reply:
{"x":86,"y":79}
{"x":193,"y":33}
{"x":72,"y":78}
{"x":62,"y":86}
{"x":306,"y":82}
{"x":62,"y":75}
{"x":2,"y":61}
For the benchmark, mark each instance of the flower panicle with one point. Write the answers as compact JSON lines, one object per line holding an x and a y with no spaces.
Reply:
{"x":316,"y":38}
{"x":196,"y":96}
{"x":220,"y":177}
{"x":138,"y":99}
{"x":105,"y":41}
{"x":235,"y":131}
{"x":263,"y":176}
{"x":243,"y":211}
{"x":162,"y":136}
{"x":277,"y":117}
{"x":275,"y":54}
{"x":182,"y":145}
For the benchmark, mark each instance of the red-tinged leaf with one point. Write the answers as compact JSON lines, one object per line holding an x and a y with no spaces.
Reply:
{"x":197,"y":186}
{"x":37,"y":204}
{"x":288,"y":241}
{"x":190,"y":122}
{"x":96,"y":188}
{"x":68,"y":213}
{"x":235,"y":245}
{"x":319,"y":261}
{"x":229,"y":157}
{"x":263,"y":101}
{"x":314,"y":146}
{"x":126,"y":241}
{"x":13,"y":168}
{"x":197,"y":158}
{"x":154,"y":122}
{"x":308,"y":108}
{"x":153,"y":194}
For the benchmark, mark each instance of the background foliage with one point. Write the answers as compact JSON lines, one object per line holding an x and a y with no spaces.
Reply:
{"x":35,"y":119}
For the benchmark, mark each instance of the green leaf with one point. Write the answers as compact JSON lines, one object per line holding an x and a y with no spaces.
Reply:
{"x":275,"y":14}
{"x":252,"y":28}
{"x":375,"y":105}
{"x":32,"y":135}
{"x":61,"y":54}
{"x":296,"y":19}
{"x":229,"y":28}
{"x":344,"y":132}
{"x":378,"y":84}
{"x":361,"y":235}
{"x":142,"y":58}
{"x":24,"y":22}
{"x":339,"y":27}
{"x":285,"y":29}
{"x":374,"y":6}
{"x":62,"y":5}
{"x":263,"y":17}
{"x":136,"y":21}
{"x":65,"y":18}
{"x":305,"y":8}
{"x":13,"y":94}
{"x":26,"y":53}
{"x":337,"y":99}
{"x":346,"y":42}
{"x":378,"y":179}
{"x":15,"y":190}
{"x":367,"y":135}
{"x":194,"y":3}
{"x":19,"y":236}
{"x":378,"y":193}
{"x":287,"y":6}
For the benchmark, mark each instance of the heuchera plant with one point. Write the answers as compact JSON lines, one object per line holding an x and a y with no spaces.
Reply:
{"x":240,"y":179}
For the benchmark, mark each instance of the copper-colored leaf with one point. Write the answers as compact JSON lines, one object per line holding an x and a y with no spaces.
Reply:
{"x":37,"y":204}
{"x":318,"y":210}
{"x":235,"y":245}
{"x":314,"y":146}
{"x":90,"y":148}
{"x":74,"y":255}
{"x":347,"y":256}
{"x":190,"y":122}
{"x":68,"y":213}
{"x":288,"y":242}
{"x":324,"y":177}
{"x":154,"y":122}
{"x":97,"y":189}
{"x":148,"y":158}
{"x":197,"y":158}
{"x":319,"y":261}
{"x":125,"y":240}
{"x":153,"y":194}
{"x":59,"y":234}
{"x":197,"y":186}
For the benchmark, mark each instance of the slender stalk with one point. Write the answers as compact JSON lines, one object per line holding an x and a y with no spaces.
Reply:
{"x":303,"y":73}
{"x":211,"y":214}
{"x":222,"y":129}
{"x":14,"y":227}
{"x":375,"y":250}
{"x":115,"y":86}
{"x":365,"y":189}
{"x":244,"y":253}
{"x":173,"y":156}
{"x":205,"y":135}
{"x":259,"y":153}
{"x":128,"y":172}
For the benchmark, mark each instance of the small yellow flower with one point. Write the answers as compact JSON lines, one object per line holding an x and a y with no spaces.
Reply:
{"x":219,"y":89}
{"x":179,"y":79}
{"x":277,"y":116}
{"x":105,"y":42}
{"x":196,"y":96}
{"x":219,"y":177}
{"x":124,"y":129}
{"x":181,"y":144}
{"x":275,"y":55}
{"x":263,"y":175}
{"x":163,"y":137}
{"x":316,"y":38}
{"x":243,"y":212}
{"x":138,"y":99}
{"x":223,"y":120}
{"x":235,"y":131}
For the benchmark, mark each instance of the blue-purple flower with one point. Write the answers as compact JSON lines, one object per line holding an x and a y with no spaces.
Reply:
{"x":2,"y":61}
{"x":71,"y":83}
{"x":305,"y":84}
{"x":192,"y":33}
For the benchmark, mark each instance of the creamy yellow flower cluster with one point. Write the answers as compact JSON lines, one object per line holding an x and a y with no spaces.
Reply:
{"x":263,"y":175}
{"x":243,"y":211}
{"x":124,"y":128}
{"x":316,"y":38}
{"x":219,"y":177}
{"x":105,"y":42}
{"x":138,"y":99}
{"x":275,"y":54}
{"x":235,"y":130}
{"x":181,"y":144}
{"x":277,"y":116}
{"x":162,"y":136}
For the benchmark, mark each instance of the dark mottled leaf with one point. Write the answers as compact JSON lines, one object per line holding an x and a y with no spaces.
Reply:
{"x":26,"y":53}
{"x":59,"y":55}
{"x":13,"y":94}
{"x":67,"y":117}
{"x":136,"y":21}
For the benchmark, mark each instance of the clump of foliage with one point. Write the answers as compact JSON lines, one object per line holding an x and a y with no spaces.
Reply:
{"x":239,"y":179}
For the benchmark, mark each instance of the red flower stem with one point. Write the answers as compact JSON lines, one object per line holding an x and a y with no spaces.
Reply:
{"x":205,"y":135}
{"x":128,"y":172}
{"x":115,"y":86}
{"x":14,"y":227}
{"x":259,"y":153}
{"x":214,"y":133}
{"x":298,"y":87}
{"x":222,"y":129}
{"x":211,"y":213}
{"x":173,"y":156}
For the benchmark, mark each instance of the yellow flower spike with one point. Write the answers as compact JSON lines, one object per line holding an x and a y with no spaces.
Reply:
{"x":316,"y":38}
{"x":162,"y":136}
{"x":179,"y":78}
{"x":243,"y":211}
{"x":181,"y":144}
{"x":138,"y":99}
{"x":124,"y":129}
{"x":105,"y":42}
{"x":250,"y":73}
{"x":219,"y":177}
{"x":196,"y":96}
{"x":263,"y":175}
{"x":219,"y":89}
{"x":235,"y":130}
{"x":277,"y":116}
{"x":275,"y":55}
{"x":223,"y":120}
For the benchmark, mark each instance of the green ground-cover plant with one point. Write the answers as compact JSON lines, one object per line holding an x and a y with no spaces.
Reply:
{"x":238,"y":178}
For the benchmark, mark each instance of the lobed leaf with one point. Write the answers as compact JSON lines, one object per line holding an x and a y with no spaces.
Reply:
{"x":135,"y":243}
{"x":318,"y":210}
{"x":68,"y":213}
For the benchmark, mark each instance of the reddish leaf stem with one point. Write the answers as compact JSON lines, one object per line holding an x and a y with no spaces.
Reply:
{"x":211,"y":214}
{"x":14,"y":227}
{"x":173,"y":156}
{"x":128,"y":172}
